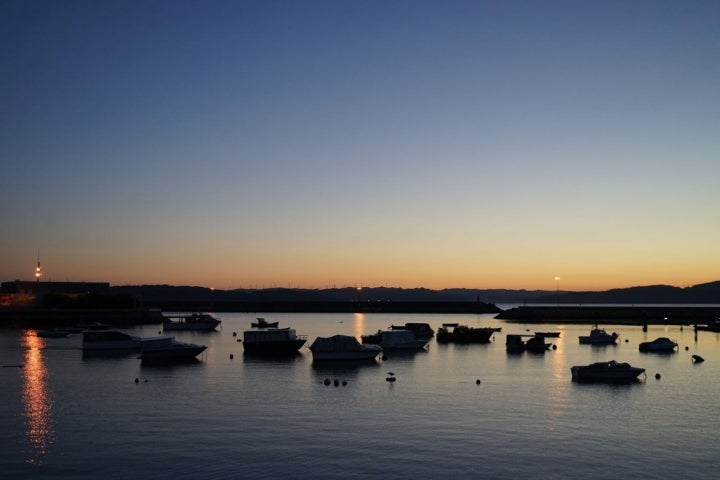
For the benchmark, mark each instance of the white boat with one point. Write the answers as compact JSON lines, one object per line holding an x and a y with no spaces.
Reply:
{"x":611,"y":371}
{"x":192,"y":321}
{"x":660,"y":344}
{"x":599,"y":336}
{"x":396,"y":340}
{"x":272,"y":341}
{"x":167,"y":348}
{"x":109,"y":340}
{"x":343,"y":347}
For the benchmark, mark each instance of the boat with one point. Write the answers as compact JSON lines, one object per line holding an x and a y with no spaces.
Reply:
{"x":109,"y":340}
{"x":421,"y":330}
{"x":548,"y":334}
{"x":611,"y":371}
{"x":262,"y":323}
{"x":464,"y":334}
{"x":93,"y":326}
{"x":713,"y":326}
{"x":272,"y":341}
{"x":343,"y":347}
{"x":599,"y":336}
{"x":395,"y":340}
{"x":660,"y":344}
{"x":54,"y":333}
{"x":193,"y":321}
{"x":534,"y":343}
{"x":167,"y":348}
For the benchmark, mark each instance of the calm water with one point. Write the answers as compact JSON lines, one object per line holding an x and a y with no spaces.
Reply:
{"x":65,"y":415}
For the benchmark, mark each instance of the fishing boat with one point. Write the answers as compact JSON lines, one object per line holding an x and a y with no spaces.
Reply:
{"x":343,"y":347}
{"x":262,"y":323}
{"x":272,"y":341}
{"x":194,"y":321}
{"x":612,"y":371}
{"x":421,"y":330}
{"x":599,"y":336}
{"x":534,"y":343}
{"x":464,"y":334}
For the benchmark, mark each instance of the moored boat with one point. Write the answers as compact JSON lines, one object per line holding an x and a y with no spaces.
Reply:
{"x":262,"y":323}
{"x":167,"y":348}
{"x":660,"y":344}
{"x":421,"y":330}
{"x":109,"y":340}
{"x":599,"y":336}
{"x":193,"y":321}
{"x":612,"y":371}
{"x":272,"y":341}
{"x":343,"y":347}
{"x":395,"y":340}
{"x":465,"y":334}
{"x":534,"y":343}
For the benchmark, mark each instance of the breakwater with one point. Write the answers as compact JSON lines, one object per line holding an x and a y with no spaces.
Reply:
{"x":630,"y":315}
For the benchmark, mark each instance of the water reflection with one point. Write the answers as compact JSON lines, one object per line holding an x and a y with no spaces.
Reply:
{"x":37,"y":402}
{"x":359,"y":325}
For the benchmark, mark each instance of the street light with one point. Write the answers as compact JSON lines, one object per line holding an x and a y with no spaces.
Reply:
{"x":557,"y":283}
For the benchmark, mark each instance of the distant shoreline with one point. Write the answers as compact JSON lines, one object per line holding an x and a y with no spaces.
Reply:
{"x":650,"y":315}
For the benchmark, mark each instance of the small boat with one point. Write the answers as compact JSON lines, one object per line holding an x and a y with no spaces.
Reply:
{"x":534,"y":343}
{"x":548,"y":334}
{"x":167,"y":348}
{"x":713,"y":326}
{"x":272,"y":341}
{"x":465,"y":334}
{"x":599,"y":336}
{"x":660,"y":344}
{"x":612,"y":371}
{"x":421,"y":330}
{"x":54,"y":333}
{"x":262,"y":323}
{"x":395,"y":340}
{"x":109,"y":340}
{"x":343,"y":347}
{"x":203,"y":322}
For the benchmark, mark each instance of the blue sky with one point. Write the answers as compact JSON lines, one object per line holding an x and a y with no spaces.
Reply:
{"x":310,"y":144}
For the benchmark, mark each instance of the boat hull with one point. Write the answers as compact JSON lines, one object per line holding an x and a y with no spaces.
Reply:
{"x":607,"y":372}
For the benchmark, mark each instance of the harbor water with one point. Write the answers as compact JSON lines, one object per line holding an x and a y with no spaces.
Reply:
{"x":455,"y":411}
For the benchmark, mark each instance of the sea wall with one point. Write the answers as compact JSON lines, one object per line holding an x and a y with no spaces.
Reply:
{"x":674,"y":315}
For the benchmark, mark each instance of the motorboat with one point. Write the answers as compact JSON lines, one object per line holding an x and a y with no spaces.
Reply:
{"x":167,"y":348}
{"x":272,"y":341}
{"x":343,"y":347}
{"x":421,"y":330}
{"x":465,"y":334}
{"x":660,"y":344}
{"x":54,"y":333}
{"x":611,"y":371}
{"x":395,"y":340}
{"x":548,"y":334}
{"x":262,"y":323}
{"x":193,"y":321}
{"x":534,"y":343}
{"x":599,"y":336}
{"x":109,"y":340}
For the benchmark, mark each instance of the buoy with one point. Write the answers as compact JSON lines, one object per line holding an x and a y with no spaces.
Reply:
{"x":327,"y":381}
{"x":697,"y":359}
{"x":344,"y":382}
{"x":137,"y":380}
{"x":336,"y":382}
{"x":626,"y":340}
{"x":554,"y":347}
{"x":687,"y":348}
{"x":232,"y":356}
{"x":234,"y":334}
{"x":159,"y":332}
{"x":657,"y":376}
{"x":477,"y":382}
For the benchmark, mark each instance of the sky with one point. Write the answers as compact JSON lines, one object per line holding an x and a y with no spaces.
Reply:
{"x":313,"y":144}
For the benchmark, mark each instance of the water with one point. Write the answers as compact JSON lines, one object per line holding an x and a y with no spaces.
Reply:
{"x":66,"y":415}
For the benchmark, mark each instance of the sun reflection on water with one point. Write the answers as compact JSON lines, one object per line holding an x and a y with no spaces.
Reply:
{"x":359,"y":325}
{"x":37,"y":403}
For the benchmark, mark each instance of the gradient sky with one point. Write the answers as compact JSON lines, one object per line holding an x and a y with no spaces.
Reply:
{"x":438,"y":144}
